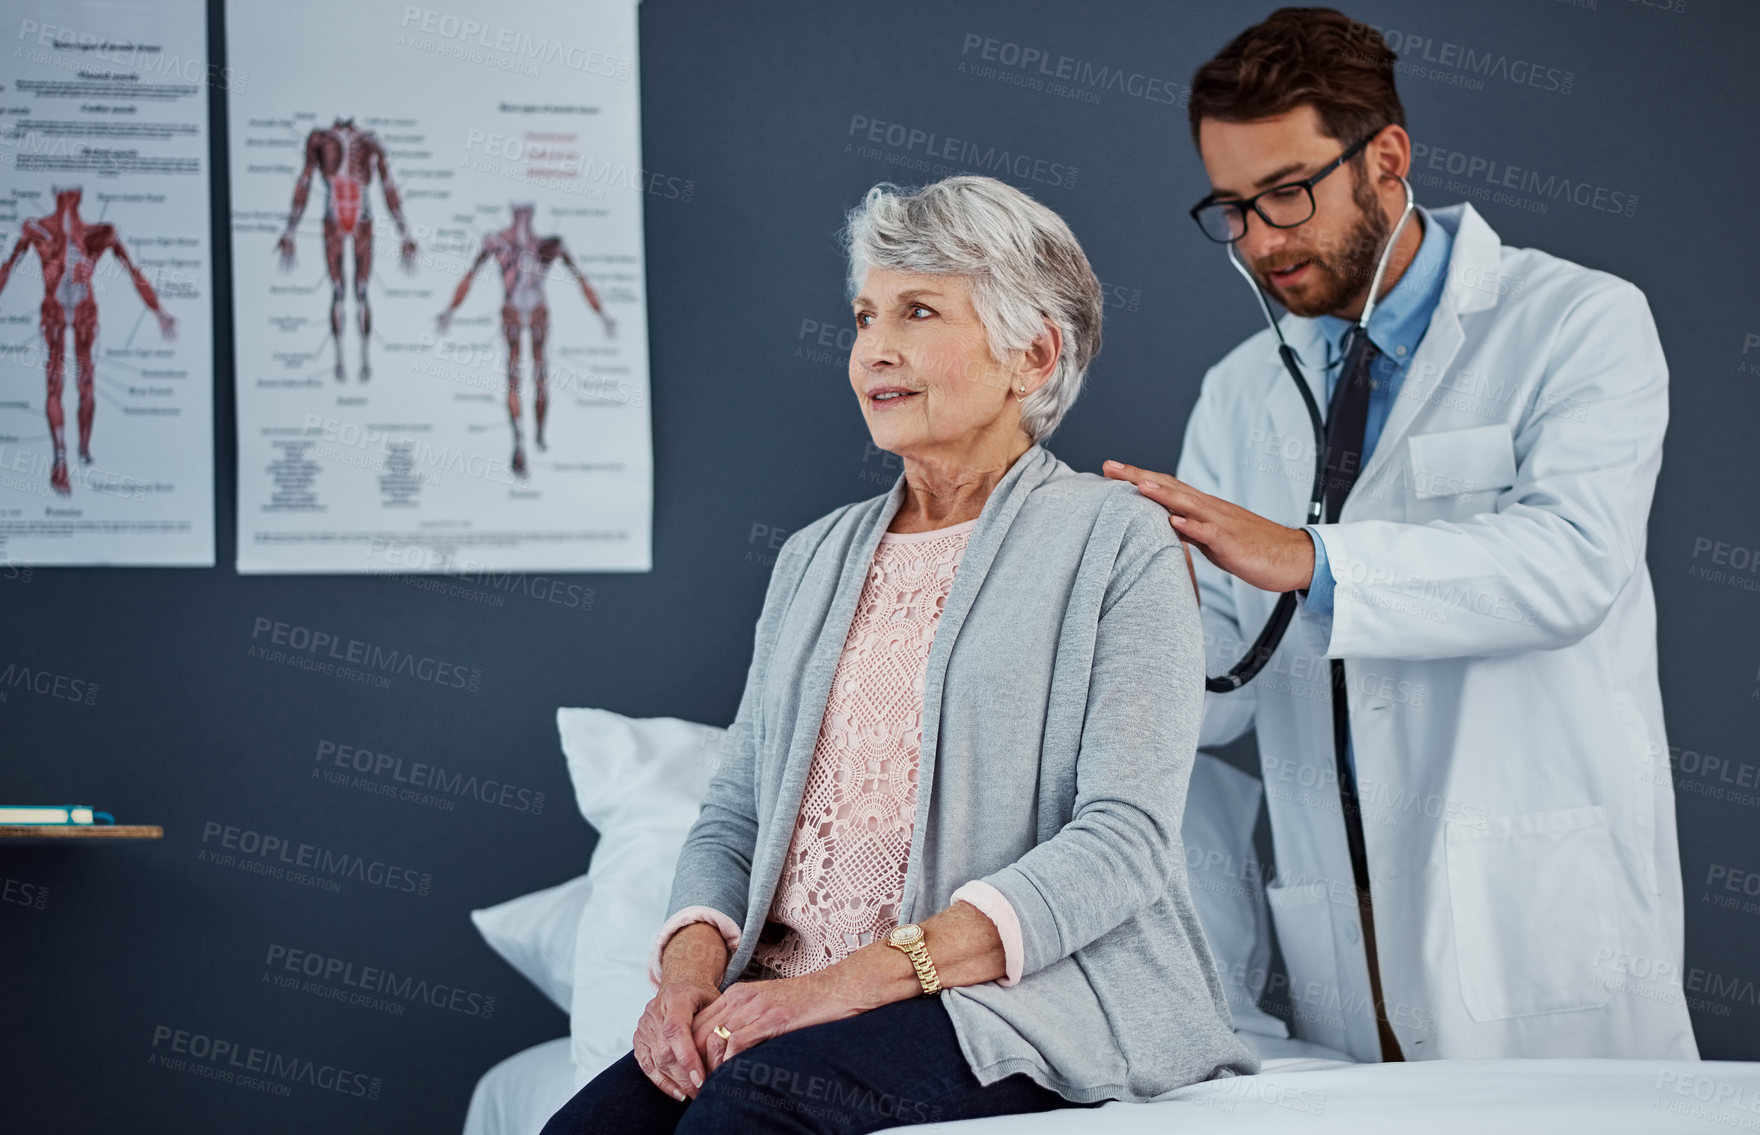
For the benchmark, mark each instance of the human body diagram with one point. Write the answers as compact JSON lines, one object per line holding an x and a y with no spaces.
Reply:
{"x":348,"y":158}
{"x":525,"y":259}
{"x":70,"y":249}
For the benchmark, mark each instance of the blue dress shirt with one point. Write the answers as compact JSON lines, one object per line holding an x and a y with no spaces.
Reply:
{"x":1396,"y":327}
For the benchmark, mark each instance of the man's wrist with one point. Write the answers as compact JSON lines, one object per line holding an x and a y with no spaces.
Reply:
{"x":1301,"y":546}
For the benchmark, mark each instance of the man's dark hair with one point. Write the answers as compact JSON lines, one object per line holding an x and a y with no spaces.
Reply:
{"x":1316,"y":57}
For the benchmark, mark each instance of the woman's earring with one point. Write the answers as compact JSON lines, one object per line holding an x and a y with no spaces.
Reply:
{"x":1022,"y":396}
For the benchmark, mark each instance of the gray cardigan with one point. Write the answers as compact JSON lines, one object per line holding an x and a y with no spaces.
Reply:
{"x":1064,"y":688}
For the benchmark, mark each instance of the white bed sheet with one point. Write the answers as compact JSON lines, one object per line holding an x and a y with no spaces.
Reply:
{"x":1305,"y":1096}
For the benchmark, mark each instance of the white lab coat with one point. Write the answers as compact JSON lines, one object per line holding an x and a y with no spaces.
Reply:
{"x":1499,"y":631}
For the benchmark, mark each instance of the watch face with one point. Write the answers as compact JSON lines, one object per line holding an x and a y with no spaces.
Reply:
{"x":905,"y":935}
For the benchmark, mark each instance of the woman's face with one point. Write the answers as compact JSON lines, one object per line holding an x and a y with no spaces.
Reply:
{"x":922,"y":369}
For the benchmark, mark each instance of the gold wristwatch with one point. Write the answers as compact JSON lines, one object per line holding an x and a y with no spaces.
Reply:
{"x":908,"y":939}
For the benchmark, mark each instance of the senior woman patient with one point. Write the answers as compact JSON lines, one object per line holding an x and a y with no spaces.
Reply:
{"x":938,"y":874}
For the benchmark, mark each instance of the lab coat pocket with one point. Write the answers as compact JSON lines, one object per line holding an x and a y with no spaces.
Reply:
{"x":1533,"y":902}
{"x":1303,"y":917}
{"x":1459,"y":463}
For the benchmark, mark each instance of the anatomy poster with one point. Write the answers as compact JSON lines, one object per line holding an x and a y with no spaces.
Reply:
{"x":106,"y":364}
{"x":441,"y":330}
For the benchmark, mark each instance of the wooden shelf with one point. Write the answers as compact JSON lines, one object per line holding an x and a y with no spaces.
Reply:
{"x":57,"y":833}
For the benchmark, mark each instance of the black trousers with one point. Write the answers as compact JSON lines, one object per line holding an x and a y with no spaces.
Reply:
{"x":895,"y":1065}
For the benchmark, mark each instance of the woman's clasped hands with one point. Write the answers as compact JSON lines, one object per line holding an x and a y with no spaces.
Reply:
{"x":677,"y":1042}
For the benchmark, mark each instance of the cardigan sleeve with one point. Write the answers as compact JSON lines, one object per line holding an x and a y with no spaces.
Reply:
{"x":1139,"y":738}
{"x":715,"y":863}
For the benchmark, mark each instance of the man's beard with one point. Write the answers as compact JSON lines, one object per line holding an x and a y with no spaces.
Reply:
{"x":1339,"y":274}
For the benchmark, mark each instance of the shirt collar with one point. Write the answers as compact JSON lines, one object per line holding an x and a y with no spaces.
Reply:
{"x":1403,"y":314}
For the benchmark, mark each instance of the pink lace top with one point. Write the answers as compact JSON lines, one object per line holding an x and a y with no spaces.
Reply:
{"x":844,"y":875}
{"x":843,"y":878}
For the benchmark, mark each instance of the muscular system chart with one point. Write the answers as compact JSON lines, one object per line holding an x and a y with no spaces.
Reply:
{"x":106,"y":367}
{"x":441,"y":330}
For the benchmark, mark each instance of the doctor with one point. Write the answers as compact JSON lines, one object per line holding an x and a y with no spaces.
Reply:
{"x":1476,"y":851}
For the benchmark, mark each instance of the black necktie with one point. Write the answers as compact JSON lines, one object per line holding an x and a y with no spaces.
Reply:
{"x":1346,"y":419}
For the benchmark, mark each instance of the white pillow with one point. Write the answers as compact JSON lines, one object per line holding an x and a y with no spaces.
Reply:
{"x":641,"y":783}
{"x":536,"y":934}
{"x":1222,"y":805}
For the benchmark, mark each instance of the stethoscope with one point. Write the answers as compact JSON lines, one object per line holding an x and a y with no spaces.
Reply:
{"x":1265,"y":645}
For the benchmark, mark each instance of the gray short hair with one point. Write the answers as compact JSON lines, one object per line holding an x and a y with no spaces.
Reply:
{"x":1023,"y":263}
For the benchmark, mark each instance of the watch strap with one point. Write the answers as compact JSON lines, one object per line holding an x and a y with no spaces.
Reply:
{"x":918,"y":953}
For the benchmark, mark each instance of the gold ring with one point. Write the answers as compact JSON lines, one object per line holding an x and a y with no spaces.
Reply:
{"x":721,"y":1031}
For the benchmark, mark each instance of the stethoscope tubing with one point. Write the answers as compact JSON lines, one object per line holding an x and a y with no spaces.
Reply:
{"x":1266,"y":643}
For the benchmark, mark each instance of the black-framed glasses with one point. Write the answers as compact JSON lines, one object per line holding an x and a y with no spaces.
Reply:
{"x":1282,"y":206}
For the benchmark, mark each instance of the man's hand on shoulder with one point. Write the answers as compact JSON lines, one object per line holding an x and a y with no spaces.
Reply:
{"x":1266,"y":554}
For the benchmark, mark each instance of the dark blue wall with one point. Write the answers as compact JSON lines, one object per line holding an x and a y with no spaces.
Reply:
{"x":755,"y":434}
